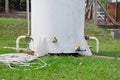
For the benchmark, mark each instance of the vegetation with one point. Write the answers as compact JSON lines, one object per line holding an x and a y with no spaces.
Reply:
{"x":10,"y":29}
{"x":14,"y":5}
{"x":61,"y":67}
{"x":65,"y":68}
{"x":103,"y":1}
{"x":21,"y":4}
{"x":108,"y":45}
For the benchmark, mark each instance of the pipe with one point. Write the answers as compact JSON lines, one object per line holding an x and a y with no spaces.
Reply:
{"x":18,"y":41}
{"x":28,"y":21}
{"x":28,"y":17}
{"x":97,"y":43}
{"x":22,"y":37}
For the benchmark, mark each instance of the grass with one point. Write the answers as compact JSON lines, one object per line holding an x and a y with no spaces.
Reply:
{"x":10,"y":29}
{"x":66,"y":68}
{"x":108,"y":45}
{"x":61,"y":67}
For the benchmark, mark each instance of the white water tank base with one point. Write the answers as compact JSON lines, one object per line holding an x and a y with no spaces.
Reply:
{"x":58,"y":26}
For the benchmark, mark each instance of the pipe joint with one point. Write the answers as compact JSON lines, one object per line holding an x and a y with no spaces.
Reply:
{"x":97,"y":43}
{"x":18,"y":41}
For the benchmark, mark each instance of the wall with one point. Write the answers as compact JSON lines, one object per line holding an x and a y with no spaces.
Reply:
{"x":112,"y":11}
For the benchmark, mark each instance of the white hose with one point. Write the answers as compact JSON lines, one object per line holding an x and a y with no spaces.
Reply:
{"x":97,"y":43}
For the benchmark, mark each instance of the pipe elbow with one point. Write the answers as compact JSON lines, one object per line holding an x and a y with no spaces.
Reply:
{"x":18,"y":41}
{"x":20,"y":37}
{"x":94,"y":38}
{"x":97,"y":42}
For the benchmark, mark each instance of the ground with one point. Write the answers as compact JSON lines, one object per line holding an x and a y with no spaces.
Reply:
{"x":61,"y":67}
{"x":15,"y":14}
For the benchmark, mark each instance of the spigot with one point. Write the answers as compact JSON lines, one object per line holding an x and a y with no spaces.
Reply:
{"x":54,"y":39}
{"x":78,"y":49}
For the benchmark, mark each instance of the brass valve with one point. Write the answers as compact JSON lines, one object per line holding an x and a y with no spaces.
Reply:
{"x":77,"y":48}
{"x":54,"y":39}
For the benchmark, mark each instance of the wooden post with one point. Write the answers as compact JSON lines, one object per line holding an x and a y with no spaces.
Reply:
{"x":111,"y":18}
{"x":95,"y":12}
{"x":87,"y":3}
{"x":116,"y":11}
{"x":6,"y":7}
{"x":105,"y":18}
{"x":88,"y":6}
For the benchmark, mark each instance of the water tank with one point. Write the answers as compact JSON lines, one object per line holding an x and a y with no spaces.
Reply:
{"x":58,"y":27}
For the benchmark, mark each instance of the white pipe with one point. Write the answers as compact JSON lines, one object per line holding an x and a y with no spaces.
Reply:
{"x":97,"y":43}
{"x":28,"y":21}
{"x":18,"y":41}
{"x":28,"y":16}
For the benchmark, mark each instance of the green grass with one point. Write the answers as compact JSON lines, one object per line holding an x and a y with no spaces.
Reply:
{"x":108,"y":45}
{"x":10,"y":29}
{"x":61,"y":67}
{"x":65,"y":68}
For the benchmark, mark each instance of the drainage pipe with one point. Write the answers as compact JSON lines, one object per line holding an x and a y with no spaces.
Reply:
{"x":28,"y":21}
{"x":18,"y":41}
{"x":28,"y":17}
{"x":97,"y":43}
